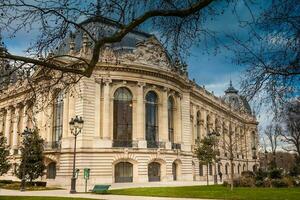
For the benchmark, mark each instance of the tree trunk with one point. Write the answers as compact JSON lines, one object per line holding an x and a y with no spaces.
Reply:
{"x":231,"y":175}
{"x":207,"y":182}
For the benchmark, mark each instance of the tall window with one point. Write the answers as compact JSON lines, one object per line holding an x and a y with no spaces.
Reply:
{"x":51,"y":170}
{"x":200,"y":170}
{"x":210,"y":169}
{"x":58,"y":117}
{"x":123,"y":172}
{"x":154,"y":171}
{"x":122,"y":118}
{"x":151,"y":119}
{"x":198,"y":125}
{"x":171,"y":119}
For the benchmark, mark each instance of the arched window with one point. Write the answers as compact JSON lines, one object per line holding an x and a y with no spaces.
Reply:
{"x":174,"y":171}
{"x":226,"y":169}
{"x":123,"y":172}
{"x":151,"y":120}
{"x":122,"y":118}
{"x":154,"y":171}
{"x":58,"y":108}
{"x":171,"y":119}
{"x":208,"y":124}
{"x":244,"y":167}
{"x":239,"y":169}
{"x":253,"y":140}
{"x":210,"y":169}
{"x":198,"y":125}
{"x":200,"y":170}
{"x":51,"y":170}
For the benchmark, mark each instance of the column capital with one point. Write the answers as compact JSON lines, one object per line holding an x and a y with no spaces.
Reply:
{"x":107,"y":81}
{"x":141,"y":84}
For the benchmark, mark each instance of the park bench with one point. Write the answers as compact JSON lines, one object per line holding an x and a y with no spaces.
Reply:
{"x":100,"y":189}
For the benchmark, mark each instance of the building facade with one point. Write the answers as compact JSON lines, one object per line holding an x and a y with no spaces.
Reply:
{"x":142,"y":119}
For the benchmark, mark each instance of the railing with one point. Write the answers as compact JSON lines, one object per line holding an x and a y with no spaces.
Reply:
{"x":125,"y":143}
{"x":56,"y":145}
{"x":156,"y":144}
{"x":176,"y":146}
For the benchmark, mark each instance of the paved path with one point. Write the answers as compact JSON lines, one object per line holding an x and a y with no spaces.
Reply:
{"x":65,"y":193}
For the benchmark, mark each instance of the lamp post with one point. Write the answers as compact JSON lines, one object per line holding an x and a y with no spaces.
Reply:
{"x":27,"y":132}
{"x":76,"y":126}
{"x":215,"y":134}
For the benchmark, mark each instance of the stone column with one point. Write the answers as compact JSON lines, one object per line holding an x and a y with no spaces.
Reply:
{"x":25,"y":118}
{"x":97,"y":108}
{"x":177,"y":125}
{"x":65,"y":132}
{"x":140,"y":116}
{"x":15,"y":133}
{"x":163,"y":128}
{"x":106,"y":110}
{"x":8,"y":125}
{"x":2,"y":113}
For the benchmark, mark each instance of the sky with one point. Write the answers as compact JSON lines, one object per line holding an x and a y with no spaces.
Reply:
{"x":214,"y":71}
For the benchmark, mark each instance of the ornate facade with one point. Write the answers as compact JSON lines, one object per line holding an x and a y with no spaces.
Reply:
{"x":142,"y":118}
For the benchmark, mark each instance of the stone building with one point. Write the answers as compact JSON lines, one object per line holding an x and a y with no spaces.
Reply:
{"x":142,"y":118}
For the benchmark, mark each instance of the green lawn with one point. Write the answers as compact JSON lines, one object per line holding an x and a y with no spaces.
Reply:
{"x":38,"y":198}
{"x":214,"y":192}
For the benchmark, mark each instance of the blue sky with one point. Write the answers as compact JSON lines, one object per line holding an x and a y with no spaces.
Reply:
{"x":207,"y":68}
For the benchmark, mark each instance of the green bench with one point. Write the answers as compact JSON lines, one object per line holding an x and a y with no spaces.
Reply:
{"x":100,"y":189}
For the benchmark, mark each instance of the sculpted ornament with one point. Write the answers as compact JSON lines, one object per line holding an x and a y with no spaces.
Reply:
{"x":149,"y":52}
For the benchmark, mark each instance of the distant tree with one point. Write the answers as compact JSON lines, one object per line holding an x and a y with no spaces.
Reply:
{"x":32,"y":165}
{"x":291,"y":117}
{"x":4,"y":153}
{"x":206,"y":152}
{"x":273,"y":133}
{"x":291,"y":136}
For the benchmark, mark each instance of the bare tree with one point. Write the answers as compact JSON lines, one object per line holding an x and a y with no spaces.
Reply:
{"x":272,"y":53}
{"x":273,"y":133}
{"x":291,"y":117}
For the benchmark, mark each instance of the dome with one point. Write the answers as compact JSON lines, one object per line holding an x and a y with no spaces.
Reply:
{"x":236,"y":101}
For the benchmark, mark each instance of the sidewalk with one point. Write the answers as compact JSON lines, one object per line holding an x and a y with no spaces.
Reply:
{"x":65,"y":193}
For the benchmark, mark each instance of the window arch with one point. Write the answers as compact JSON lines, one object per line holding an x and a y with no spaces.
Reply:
{"x":151,"y":119}
{"x":122,"y":134}
{"x":239,"y":169}
{"x":123,"y":172}
{"x":58,"y":108}
{"x":51,"y":170}
{"x":171,"y":119}
{"x":154,"y":171}
{"x":198,"y":125}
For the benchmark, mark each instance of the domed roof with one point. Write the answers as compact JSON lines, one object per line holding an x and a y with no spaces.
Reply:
{"x":236,"y":101}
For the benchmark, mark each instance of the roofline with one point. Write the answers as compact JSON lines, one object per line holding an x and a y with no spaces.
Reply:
{"x":112,"y":22}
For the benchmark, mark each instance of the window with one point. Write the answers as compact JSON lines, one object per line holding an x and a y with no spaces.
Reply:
{"x":154,"y":171}
{"x":174,"y":171}
{"x":226,"y":169}
{"x":122,"y":118}
{"x":58,"y":117}
{"x":151,"y":120}
{"x":198,"y":125}
{"x":51,"y":170}
{"x":210,"y":169}
{"x":171,"y":119}
{"x":239,"y":169}
{"x":200,"y":170}
{"x":123,"y":172}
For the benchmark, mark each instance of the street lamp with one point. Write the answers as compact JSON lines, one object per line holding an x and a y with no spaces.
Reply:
{"x":27,"y":132}
{"x":76,"y":126}
{"x":215,"y":134}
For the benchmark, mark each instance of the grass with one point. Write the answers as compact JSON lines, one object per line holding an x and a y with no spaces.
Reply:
{"x":214,"y":192}
{"x":16,"y":186}
{"x":38,"y":198}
